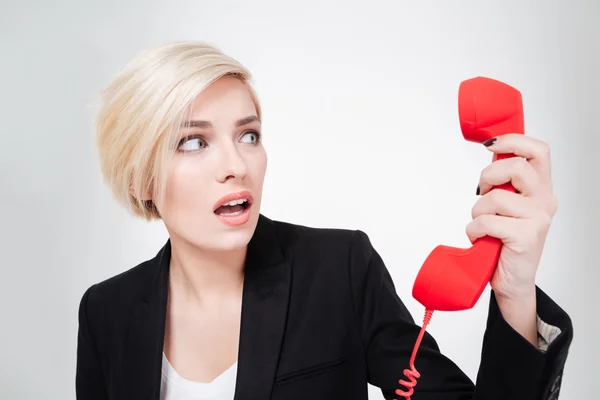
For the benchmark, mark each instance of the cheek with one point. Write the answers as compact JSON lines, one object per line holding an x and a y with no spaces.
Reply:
{"x":186,"y":188}
{"x":259,"y":166}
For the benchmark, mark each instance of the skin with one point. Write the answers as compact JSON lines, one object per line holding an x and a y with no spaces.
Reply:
{"x":206,"y":275}
{"x":206,"y":278}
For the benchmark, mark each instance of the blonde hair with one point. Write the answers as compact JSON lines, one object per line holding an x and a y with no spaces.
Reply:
{"x":141,"y":111}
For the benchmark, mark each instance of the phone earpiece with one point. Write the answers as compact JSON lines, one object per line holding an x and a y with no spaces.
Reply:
{"x":488,"y":108}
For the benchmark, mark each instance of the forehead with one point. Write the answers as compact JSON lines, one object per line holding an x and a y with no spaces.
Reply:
{"x":226,"y":98}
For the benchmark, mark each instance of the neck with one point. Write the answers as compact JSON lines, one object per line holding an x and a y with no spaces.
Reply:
{"x":205,"y":276}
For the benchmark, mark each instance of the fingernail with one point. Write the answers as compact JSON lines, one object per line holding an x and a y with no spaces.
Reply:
{"x":489,"y":142}
{"x":478,"y":190}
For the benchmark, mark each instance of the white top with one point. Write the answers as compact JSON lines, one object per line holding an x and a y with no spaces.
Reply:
{"x":175,"y":387}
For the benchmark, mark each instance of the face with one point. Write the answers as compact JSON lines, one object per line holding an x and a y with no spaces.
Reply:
{"x":215,"y":181}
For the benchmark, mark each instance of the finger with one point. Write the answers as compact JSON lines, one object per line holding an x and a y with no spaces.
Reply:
{"x":516,"y":170}
{"x":521,"y":235}
{"x":537,"y":152}
{"x":504,"y":203}
{"x":496,"y":226}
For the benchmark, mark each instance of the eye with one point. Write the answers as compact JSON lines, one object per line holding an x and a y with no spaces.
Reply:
{"x":252,"y":137}
{"x":191,"y":143}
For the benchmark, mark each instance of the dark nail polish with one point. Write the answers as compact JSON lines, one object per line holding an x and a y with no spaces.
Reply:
{"x":489,"y":142}
{"x":478,"y":190}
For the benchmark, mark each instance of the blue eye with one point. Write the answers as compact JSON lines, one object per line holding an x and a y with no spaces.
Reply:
{"x":192,"y":143}
{"x":251,"y":137}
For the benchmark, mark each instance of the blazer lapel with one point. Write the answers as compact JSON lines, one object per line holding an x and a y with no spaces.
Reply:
{"x":142,"y":362}
{"x":264,"y":310}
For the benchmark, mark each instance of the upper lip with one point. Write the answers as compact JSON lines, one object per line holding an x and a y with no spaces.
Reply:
{"x":233,"y":196}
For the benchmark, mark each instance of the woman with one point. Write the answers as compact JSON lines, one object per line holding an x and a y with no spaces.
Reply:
{"x":236,"y":305}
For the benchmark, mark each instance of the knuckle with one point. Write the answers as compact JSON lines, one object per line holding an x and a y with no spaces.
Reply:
{"x":472,"y":226}
{"x":474,"y":209}
{"x":469,"y":228}
{"x":520,"y":170}
{"x":482,"y":205}
{"x":495,"y":197}
{"x":484,"y":221}
{"x":544,"y":150}
{"x":495,"y":200}
{"x":484,"y":173}
{"x":521,"y":164}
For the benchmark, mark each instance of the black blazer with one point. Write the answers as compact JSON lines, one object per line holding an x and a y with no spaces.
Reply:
{"x":320,"y":319}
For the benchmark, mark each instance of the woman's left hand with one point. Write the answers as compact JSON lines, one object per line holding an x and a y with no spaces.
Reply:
{"x":521,"y":220}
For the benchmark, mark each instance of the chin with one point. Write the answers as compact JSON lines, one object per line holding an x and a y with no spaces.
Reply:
{"x":229,"y":238}
{"x":229,"y":241}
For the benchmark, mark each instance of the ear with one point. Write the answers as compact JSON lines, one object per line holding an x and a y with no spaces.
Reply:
{"x":146,"y":196}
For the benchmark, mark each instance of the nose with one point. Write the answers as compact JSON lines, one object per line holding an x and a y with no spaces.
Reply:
{"x":232,"y":165}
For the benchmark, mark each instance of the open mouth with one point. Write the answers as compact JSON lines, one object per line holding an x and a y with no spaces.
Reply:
{"x":233,"y":208}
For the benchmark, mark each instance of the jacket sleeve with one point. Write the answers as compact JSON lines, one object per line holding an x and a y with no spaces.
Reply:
{"x":510,"y":367}
{"x":89,"y":384}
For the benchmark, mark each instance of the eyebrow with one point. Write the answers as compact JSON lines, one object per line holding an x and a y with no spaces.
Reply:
{"x":207,"y":124}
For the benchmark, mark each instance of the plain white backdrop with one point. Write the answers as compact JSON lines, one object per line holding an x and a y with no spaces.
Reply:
{"x":361,"y":129}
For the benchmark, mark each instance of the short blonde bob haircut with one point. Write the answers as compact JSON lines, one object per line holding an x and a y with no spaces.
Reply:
{"x":141,"y":111}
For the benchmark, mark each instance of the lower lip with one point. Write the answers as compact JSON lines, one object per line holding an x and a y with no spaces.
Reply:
{"x":237,"y":219}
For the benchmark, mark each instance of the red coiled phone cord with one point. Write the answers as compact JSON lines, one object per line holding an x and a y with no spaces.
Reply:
{"x":412,"y":374}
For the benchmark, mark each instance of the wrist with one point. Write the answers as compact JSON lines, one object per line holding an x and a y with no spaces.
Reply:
{"x":517,"y":295}
{"x":520,"y":312}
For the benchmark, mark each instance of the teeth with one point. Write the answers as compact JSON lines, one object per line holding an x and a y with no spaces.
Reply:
{"x":236,"y":202}
{"x":232,"y":214}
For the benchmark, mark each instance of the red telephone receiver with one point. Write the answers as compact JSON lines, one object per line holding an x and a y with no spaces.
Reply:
{"x":453,"y":279}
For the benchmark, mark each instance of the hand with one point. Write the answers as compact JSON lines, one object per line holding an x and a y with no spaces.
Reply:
{"x":521,"y":220}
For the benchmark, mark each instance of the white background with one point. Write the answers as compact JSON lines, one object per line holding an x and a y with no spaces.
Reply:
{"x":361,"y":128}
